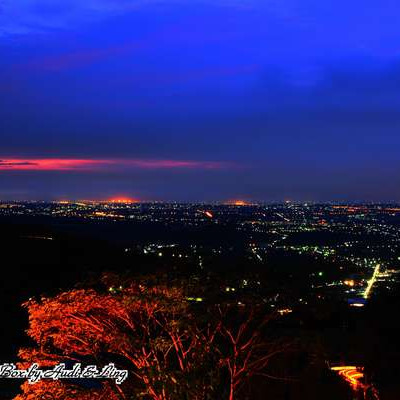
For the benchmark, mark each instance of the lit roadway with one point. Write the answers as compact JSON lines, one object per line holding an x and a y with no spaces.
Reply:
{"x":372,"y":281}
{"x":354,"y":376}
{"x":351,"y":374}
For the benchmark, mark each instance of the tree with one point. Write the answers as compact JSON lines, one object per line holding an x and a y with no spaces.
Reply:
{"x":242,"y":346}
{"x":172,"y":349}
{"x":150,"y":330}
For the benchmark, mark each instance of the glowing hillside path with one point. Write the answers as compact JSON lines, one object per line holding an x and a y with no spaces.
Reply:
{"x":355,"y":376}
{"x":351,"y":374}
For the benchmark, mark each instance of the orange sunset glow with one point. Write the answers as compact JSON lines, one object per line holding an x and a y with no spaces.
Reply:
{"x":123,"y":200}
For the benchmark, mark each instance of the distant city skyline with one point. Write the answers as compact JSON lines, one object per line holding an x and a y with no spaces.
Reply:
{"x":199,"y":100}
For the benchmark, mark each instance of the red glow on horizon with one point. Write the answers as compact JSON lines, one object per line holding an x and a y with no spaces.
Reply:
{"x":123,"y":200}
{"x":47,"y":164}
{"x":71,"y":164}
{"x":238,"y":203}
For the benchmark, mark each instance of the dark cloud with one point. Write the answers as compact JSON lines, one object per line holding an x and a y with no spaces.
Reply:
{"x":12,"y":164}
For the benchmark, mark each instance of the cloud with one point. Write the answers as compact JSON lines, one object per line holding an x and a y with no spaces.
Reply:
{"x":19,"y":17}
{"x":9,"y":163}
{"x":47,"y":164}
{"x":36,"y":16}
{"x":65,"y":164}
{"x":79,"y":58}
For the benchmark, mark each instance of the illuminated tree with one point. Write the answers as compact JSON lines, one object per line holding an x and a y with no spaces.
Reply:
{"x":150,"y":330}
{"x":242,"y":346}
{"x":170,"y":348}
{"x":55,"y":390}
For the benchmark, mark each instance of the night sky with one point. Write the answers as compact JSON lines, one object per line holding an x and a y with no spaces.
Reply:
{"x":210,"y":100}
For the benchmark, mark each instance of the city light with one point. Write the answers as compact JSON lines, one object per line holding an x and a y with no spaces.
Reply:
{"x":122,"y":200}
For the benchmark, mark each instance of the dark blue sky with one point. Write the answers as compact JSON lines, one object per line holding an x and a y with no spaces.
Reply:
{"x":200,"y":99}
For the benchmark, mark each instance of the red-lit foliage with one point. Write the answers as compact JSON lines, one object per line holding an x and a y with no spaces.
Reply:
{"x":54,"y":390}
{"x":170,"y":352}
{"x":149,"y":329}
